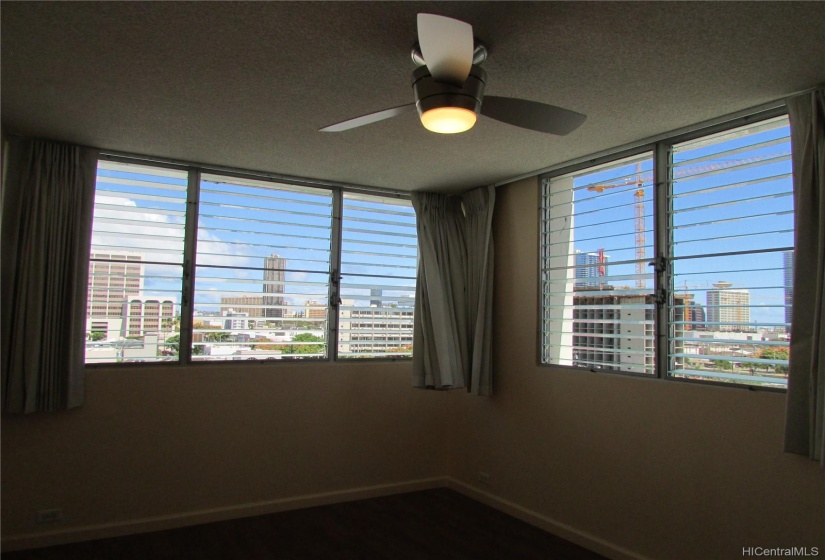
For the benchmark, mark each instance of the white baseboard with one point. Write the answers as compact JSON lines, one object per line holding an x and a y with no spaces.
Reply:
{"x":162,"y":523}
{"x":562,"y":530}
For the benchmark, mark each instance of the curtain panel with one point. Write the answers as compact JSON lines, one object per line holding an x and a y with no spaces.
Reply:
{"x":805,"y":414}
{"x":452,"y":331}
{"x":48,"y":200}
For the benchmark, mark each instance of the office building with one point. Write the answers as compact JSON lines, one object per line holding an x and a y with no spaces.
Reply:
{"x":235,"y":321}
{"x":148,"y":315}
{"x":787,"y":270}
{"x":728,"y":309}
{"x":694,"y":313}
{"x":591,"y":268}
{"x":375,"y":297}
{"x":274,"y":279}
{"x":315,"y":310}
{"x":616,"y":332}
{"x":248,"y":304}
{"x":113,"y":279}
{"x":375,"y":330}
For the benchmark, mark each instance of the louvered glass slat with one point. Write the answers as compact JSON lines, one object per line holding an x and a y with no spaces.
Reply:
{"x":732,"y":243}
{"x":262,"y":271}
{"x":136,"y":264}
{"x":597,"y":238}
{"x":379,"y":257}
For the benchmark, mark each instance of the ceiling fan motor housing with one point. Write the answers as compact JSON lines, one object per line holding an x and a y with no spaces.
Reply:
{"x":431,"y":94}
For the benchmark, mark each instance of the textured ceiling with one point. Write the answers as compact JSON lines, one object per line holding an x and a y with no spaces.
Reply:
{"x":247,"y":85}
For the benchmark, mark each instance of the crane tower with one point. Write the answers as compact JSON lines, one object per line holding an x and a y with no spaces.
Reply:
{"x":639,"y":220}
{"x":639,"y":206}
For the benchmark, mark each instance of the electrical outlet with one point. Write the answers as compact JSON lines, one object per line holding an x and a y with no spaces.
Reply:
{"x":49,"y":516}
{"x":484,"y":478}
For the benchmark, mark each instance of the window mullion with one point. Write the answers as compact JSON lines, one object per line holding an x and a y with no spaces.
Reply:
{"x":189,"y":252}
{"x":334,"y":276}
{"x":662,"y":249}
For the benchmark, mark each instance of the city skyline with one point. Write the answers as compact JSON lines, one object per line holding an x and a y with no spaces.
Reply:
{"x":723,"y":230}
{"x":263,"y":251}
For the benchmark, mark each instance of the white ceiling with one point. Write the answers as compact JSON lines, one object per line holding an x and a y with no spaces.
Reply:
{"x":247,"y":85}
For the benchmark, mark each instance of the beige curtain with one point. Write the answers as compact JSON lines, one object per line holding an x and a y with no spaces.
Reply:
{"x":805,"y":418}
{"x":478,"y":226}
{"x":48,"y":199}
{"x":453,"y":312}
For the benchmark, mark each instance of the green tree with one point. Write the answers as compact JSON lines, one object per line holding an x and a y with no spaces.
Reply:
{"x":303,"y":348}
{"x":216,"y":337}
{"x":95,"y":336}
{"x":723,"y":364}
{"x":774,"y":353}
{"x":173,"y":345}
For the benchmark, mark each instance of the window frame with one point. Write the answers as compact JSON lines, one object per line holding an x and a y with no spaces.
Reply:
{"x":660,"y":147}
{"x":187,"y":304}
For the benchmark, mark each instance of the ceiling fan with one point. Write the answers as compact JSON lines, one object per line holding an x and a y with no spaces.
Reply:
{"x":449,"y":87}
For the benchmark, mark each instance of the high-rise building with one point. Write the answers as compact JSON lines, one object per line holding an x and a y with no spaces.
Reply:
{"x":113,"y":280}
{"x":694,"y":314}
{"x":148,"y":315}
{"x":617,"y":331}
{"x":375,"y":330}
{"x":315,"y":310}
{"x":274,"y":279}
{"x":728,"y":309}
{"x":248,"y":304}
{"x":375,"y":297}
{"x":787,"y":258}
{"x":614,"y":332}
{"x":117,"y":305}
{"x":590,"y":267}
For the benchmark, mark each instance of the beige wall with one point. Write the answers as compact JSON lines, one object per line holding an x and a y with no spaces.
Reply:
{"x":157,"y":442}
{"x":664,"y":469}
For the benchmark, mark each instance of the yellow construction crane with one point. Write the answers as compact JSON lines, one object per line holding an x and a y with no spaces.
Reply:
{"x":639,"y":207}
{"x":639,"y":195}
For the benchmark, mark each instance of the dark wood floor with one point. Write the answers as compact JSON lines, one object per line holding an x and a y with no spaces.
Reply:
{"x":437,"y":523}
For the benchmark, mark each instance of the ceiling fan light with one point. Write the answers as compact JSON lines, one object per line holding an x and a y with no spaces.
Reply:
{"x":448,"y":120}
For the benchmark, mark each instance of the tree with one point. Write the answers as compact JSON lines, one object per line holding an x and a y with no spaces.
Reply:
{"x":779,"y":353}
{"x":303,"y":348}
{"x":216,"y":337}
{"x":95,"y":336}
{"x":723,"y":364}
{"x":307,"y":337}
{"x":173,"y":345}
{"x":775,"y":353}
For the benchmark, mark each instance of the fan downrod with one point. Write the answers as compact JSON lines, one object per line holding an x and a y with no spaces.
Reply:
{"x":479,"y":54}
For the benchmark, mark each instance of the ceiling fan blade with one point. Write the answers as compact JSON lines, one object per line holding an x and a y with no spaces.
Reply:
{"x":369,"y":119}
{"x":531,"y":115}
{"x":447,"y":47}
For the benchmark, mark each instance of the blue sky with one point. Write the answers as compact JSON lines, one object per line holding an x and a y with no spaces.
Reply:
{"x":728,"y":191}
{"x":241,"y":223}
